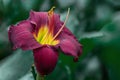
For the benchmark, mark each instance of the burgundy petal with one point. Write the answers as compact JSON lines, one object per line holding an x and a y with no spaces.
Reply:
{"x":21,"y":36}
{"x":69,"y":44}
{"x":57,"y":23}
{"x":38,"y":18}
{"x":42,"y":18}
{"x":45,"y":59}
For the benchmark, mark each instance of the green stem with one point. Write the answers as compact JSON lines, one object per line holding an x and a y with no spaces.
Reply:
{"x":40,"y":77}
{"x":33,"y":72}
{"x":69,"y":73}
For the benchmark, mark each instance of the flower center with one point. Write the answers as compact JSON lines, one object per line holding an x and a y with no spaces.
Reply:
{"x":45,"y":33}
{"x":45,"y":36}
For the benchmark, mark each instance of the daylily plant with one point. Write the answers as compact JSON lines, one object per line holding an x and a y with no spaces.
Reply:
{"x":45,"y":34}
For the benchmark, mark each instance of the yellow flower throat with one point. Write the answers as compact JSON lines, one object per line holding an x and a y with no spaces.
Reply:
{"x":45,"y":36}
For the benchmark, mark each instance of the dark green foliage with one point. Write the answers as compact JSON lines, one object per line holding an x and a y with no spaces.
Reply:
{"x":96,"y":24}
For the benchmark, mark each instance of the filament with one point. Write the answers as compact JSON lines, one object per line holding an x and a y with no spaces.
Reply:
{"x":62,"y":25}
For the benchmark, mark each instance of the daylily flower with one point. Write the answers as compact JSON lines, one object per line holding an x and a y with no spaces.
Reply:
{"x":45,"y":34}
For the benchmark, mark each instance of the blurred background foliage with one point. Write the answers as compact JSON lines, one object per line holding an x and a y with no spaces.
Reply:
{"x":96,"y":24}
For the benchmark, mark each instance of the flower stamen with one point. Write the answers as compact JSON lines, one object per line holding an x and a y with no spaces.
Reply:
{"x":62,"y":25}
{"x":51,"y":11}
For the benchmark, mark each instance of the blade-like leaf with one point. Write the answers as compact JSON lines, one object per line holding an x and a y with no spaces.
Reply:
{"x":16,"y":65}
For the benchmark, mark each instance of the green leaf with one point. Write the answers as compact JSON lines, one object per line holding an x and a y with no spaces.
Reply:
{"x":110,"y":50}
{"x":92,"y":35}
{"x":67,"y":66}
{"x":88,"y":44}
{"x":16,"y":65}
